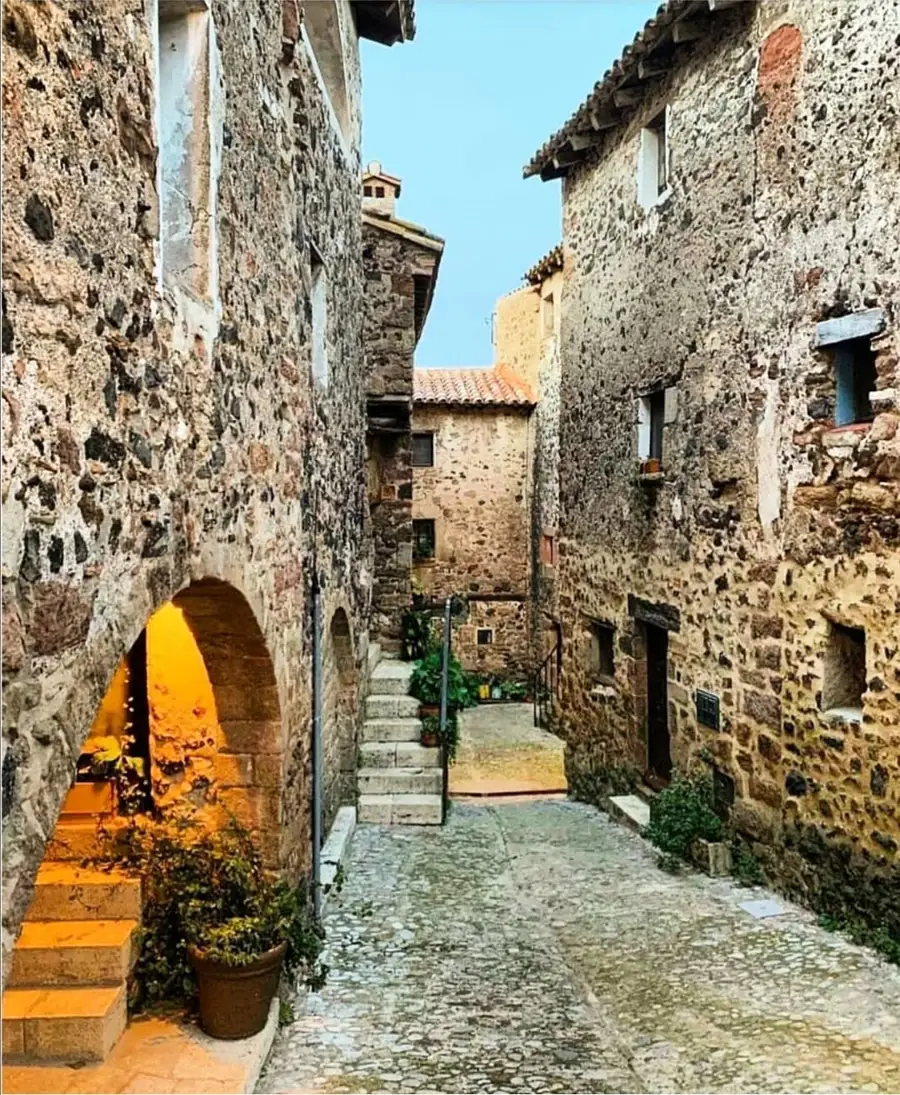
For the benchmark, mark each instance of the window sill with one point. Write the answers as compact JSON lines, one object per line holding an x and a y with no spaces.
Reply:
{"x":652,"y":478}
{"x":849,"y":715}
{"x":605,"y":688}
{"x":658,"y":202}
{"x":424,"y":562}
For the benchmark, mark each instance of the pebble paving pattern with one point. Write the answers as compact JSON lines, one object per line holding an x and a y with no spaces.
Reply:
{"x":537,"y":947}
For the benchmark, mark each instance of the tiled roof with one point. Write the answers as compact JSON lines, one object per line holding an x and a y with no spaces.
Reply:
{"x":485,"y":387}
{"x":677,"y":23}
{"x":544,"y":267}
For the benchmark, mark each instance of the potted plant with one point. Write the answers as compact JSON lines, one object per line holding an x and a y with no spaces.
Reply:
{"x":430,"y":735}
{"x":216,"y":927}
{"x":415,"y":628}
{"x":425,"y":685}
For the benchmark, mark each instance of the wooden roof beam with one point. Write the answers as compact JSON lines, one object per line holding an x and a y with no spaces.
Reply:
{"x":689,"y":30}
{"x":628,"y":96}
{"x":649,"y":69}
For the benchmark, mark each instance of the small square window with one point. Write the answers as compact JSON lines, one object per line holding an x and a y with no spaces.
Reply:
{"x":367,"y":191}
{"x":379,"y":191}
{"x":845,"y":670}
{"x":653,"y":165}
{"x":601,"y":659}
{"x":485,"y":636}
{"x":423,"y":450}
{"x":854,"y":373}
{"x":423,"y":539}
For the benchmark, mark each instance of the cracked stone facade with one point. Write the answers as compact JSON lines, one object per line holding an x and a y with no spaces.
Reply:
{"x":769,"y":532}
{"x":161,"y":421}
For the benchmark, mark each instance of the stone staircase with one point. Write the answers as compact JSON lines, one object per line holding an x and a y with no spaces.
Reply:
{"x":399,"y":781}
{"x":66,"y":994}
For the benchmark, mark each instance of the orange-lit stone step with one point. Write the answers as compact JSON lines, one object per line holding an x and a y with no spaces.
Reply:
{"x":64,"y":891}
{"x":63,"y":1024}
{"x":78,"y":838}
{"x":73,"y":952}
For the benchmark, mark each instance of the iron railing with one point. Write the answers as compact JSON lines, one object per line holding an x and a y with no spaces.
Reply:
{"x":546,"y":687}
{"x":445,"y":674}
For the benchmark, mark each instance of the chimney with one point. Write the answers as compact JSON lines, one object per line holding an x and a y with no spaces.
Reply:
{"x":380,"y":191}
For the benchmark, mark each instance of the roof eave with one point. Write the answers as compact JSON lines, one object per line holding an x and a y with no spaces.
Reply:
{"x":614,"y":99}
{"x":385,"y":21}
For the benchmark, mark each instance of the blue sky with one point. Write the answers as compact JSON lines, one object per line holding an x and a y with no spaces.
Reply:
{"x":457,"y":112}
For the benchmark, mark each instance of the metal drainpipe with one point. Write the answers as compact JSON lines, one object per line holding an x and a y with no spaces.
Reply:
{"x":317,"y":768}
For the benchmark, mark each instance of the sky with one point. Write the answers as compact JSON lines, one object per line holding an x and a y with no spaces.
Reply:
{"x":457,"y":112}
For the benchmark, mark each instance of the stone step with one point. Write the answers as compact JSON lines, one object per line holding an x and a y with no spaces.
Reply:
{"x":400,"y":809}
{"x":398,"y":754}
{"x":395,"y":730}
{"x":392,"y":707}
{"x":399,"y":781}
{"x":63,"y":891}
{"x":373,"y":656}
{"x":390,"y":678}
{"x":76,"y":839}
{"x":63,"y":1024}
{"x":73,"y":952}
{"x":631,"y":811}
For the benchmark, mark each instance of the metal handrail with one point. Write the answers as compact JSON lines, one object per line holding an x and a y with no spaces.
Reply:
{"x":445,"y":678}
{"x":546,"y":687}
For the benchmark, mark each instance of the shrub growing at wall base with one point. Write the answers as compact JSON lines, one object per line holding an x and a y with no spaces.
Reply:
{"x":683,"y":813}
{"x":209,"y":888}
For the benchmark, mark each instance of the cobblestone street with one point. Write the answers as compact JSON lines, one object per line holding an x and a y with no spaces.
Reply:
{"x":537,"y":947}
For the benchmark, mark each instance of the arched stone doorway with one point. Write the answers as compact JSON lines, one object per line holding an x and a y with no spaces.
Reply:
{"x":340,"y":700}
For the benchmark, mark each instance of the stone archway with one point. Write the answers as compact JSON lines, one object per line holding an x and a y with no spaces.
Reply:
{"x":248,"y":754}
{"x":339,"y":715}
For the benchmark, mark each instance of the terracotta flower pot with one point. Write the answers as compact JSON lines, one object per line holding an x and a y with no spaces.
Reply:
{"x":651,"y":466}
{"x":429,"y":738}
{"x":429,"y":710}
{"x":235,"y":1000}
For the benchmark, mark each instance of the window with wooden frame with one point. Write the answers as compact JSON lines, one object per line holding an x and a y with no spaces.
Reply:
{"x":423,"y":450}
{"x":601,"y":654}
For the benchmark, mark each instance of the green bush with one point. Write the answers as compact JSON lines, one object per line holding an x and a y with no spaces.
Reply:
{"x":416,"y":631}
{"x":683,"y":813}
{"x":425,"y":683}
{"x":209,"y":888}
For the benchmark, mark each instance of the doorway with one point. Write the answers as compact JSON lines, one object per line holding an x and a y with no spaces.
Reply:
{"x":659,"y":757}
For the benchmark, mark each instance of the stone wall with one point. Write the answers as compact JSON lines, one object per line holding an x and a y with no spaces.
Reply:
{"x":478,"y":494}
{"x":767,"y":526}
{"x":392,"y":262}
{"x":154,"y":434}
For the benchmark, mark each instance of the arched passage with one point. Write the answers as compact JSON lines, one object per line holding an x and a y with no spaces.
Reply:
{"x":339,"y":715}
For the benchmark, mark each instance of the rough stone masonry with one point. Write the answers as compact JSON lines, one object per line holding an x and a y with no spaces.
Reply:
{"x":182,"y":375}
{"x":731,"y":279}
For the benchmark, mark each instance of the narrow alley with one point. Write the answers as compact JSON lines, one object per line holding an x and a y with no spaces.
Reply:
{"x":538,"y":947}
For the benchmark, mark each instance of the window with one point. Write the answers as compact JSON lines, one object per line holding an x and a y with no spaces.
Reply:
{"x":600,"y":661}
{"x":186,"y":194}
{"x":423,"y":539}
{"x":854,"y":373}
{"x":367,"y":191}
{"x":653,"y":162}
{"x":319,"y":317}
{"x":655,"y":411}
{"x":548,"y":549}
{"x":423,"y":450}
{"x":379,"y":191}
{"x":484,"y":636}
{"x":845,"y":670}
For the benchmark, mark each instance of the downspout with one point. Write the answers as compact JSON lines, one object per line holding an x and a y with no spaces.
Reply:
{"x":317,"y":766}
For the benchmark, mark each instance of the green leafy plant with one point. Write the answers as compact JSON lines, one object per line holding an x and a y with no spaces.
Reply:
{"x":877,"y":936}
{"x":425,"y":683}
{"x":417,"y":638}
{"x":108,"y":758}
{"x":745,"y":866}
{"x":513,"y":690}
{"x":209,"y":888}
{"x":683,"y":813}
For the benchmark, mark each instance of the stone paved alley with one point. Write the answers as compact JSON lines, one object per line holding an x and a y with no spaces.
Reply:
{"x":537,"y":947}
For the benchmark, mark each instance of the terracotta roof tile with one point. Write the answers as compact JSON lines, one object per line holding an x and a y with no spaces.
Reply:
{"x":545,"y":266}
{"x":486,"y":387}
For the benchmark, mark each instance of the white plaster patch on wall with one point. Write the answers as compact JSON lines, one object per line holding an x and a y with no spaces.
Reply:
{"x":768,"y":482}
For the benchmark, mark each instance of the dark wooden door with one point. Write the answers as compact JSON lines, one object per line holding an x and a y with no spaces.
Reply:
{"x":659,"y":759}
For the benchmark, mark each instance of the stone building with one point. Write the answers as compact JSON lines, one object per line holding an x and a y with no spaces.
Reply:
{"x":401,"y":263}
{"x":526,"y":332}
{"x":729,"y":446}
{"x":183,"y":403}
{"x":472,"y":459}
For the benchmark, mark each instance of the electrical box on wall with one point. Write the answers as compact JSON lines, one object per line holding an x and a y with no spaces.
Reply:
{"x":707,"y":709}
